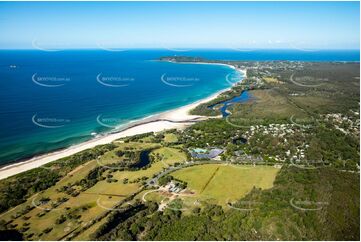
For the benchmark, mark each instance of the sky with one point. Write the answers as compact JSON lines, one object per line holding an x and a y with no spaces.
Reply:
{"x":266,"y":25}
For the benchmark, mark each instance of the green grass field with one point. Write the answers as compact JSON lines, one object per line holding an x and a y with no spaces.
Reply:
{"x":170,"y":138}
{"x":222,"y":184}
{"x":98,"y":198}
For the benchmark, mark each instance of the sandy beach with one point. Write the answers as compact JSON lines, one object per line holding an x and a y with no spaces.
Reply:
{"x":178,"y":118}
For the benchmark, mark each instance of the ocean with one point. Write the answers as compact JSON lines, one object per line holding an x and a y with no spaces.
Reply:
{"x":53,"y":99}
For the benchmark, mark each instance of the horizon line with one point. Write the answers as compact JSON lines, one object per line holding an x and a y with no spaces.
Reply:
{"x":187,"y":49}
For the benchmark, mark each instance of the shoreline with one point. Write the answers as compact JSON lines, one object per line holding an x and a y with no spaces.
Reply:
{"x":178,"y":118}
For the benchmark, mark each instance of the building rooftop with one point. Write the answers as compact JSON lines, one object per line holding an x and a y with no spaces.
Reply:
{"x":205,"y":154}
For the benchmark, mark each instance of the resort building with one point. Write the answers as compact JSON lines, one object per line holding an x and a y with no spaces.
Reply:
{"x":206,"y":154}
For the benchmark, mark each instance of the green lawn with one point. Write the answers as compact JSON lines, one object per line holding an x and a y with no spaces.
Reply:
{"x":170,"y":137}
{"x":220,"y":183}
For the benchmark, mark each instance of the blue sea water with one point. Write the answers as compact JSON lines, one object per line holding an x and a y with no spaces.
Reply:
{"x":51,"y":100}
